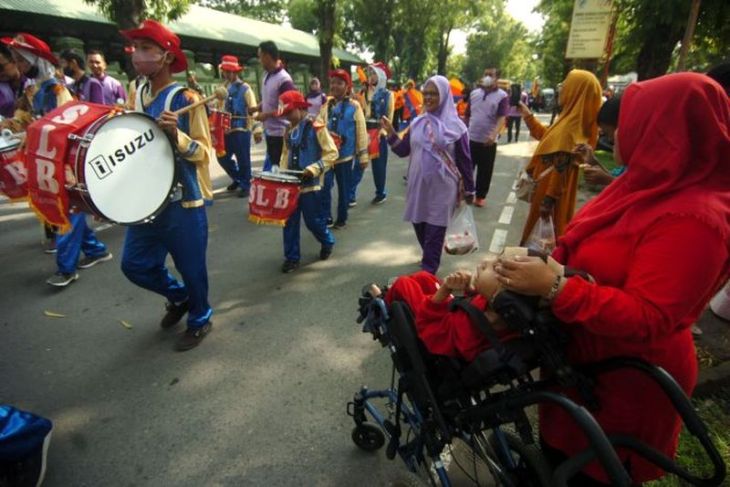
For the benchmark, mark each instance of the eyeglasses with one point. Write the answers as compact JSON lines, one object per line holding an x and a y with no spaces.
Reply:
{"x":432,"y":94}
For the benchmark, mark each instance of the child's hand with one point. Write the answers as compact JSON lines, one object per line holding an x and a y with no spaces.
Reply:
{"x":458,"y":281}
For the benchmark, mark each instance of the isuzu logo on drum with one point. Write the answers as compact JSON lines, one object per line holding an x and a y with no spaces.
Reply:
{"x":103,"y":166}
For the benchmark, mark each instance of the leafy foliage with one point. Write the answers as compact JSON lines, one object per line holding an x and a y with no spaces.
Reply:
{"x":130,"y":13}
{"x":266,"y":10}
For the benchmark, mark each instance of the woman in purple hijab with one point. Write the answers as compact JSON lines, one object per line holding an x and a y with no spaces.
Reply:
{"x":440,"y":172}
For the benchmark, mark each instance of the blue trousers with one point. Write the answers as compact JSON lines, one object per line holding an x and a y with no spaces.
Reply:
{"x":183,"y":233}
{"x":379,"y":166}
{"x":309,"y":207}
{"x":238,"y":144}
{"x":79,"y":238}
{"x":342,"y":173}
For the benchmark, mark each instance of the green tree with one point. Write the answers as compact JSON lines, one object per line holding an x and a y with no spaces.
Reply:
{"x":325,"y":19}
{"x":499,"y":41}
{"x":128,"y":14}
{"x":266,"y":10}
{"x":457,"y":14}
{"x":554,"y":40}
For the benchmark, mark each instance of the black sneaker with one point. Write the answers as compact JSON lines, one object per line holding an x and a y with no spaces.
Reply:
{"x":175,"y":313}
{"x":330,"y":223}
{"x":87,"y":262}
{"x":325,"y":253}
{"x":60,"y":279}
{"x":50,"y":246}
{"x":379,"y":200}
{"x":339,"y":225}
{"x":232,"y":187}
{"x":352,"y":204}
{"x":289,"y":266}
{"x":192,"y":337}
{"x":243,"y":193}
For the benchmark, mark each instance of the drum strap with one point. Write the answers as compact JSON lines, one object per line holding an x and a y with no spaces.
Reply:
{"x":171,"y":94}
{"x":145,"y":87}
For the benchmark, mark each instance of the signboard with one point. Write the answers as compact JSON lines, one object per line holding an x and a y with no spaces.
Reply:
{"x":589,"y":29}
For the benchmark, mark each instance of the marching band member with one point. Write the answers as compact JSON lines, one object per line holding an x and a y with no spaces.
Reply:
{"x":377,"y":103}
{"x":238,"y":140}
{"x":182,"y":228}
{"x":34,"y":58}
{"x":309,"y":148}
{"x":345,"y":118}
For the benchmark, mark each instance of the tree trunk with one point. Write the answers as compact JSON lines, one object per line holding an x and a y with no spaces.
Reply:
{"x":443,"y":52}
{"x":327,"y":23}
{"x":655,"y":54}
{"x":688,"y":33}
{"x":128,"y":14}
{"x":382,"y":46}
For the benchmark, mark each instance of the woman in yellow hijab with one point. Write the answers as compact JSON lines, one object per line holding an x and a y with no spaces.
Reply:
{"x":555,"y":194}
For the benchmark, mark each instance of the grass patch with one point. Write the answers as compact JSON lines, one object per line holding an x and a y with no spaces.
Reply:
{"x":715,"y":411}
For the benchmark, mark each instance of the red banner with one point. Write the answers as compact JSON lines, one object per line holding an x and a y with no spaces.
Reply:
{"x":47,"y":151}
{"x":13,"y":173}
{"x":220,"y":123}
{"x":272,"y":202}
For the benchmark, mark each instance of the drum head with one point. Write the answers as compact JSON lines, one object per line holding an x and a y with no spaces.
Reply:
{"x":129,"y":169}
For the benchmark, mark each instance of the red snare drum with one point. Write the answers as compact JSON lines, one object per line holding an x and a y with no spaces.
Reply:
{"x":124,"y":165}
{"x":374,"y":143}
{"x":220,"y":124}
{"x":273,"y":197}
{"x":13,"y":173}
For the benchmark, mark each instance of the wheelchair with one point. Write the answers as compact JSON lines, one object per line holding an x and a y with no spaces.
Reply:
{"x":432,"y":401}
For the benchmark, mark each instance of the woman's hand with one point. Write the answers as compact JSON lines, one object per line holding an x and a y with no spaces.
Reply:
{"x":386,"y":125}
{"x":546,"y":207}
{"x":585,"y":154}
{"x":524,"y":110}
{"x":596,"y":175}
{"x":525,"y":275}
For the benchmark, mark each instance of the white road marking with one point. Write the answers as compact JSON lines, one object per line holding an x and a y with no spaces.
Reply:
{"x":511,"y":198}
{"x":498,"y":240}
{"x":506,"y":217}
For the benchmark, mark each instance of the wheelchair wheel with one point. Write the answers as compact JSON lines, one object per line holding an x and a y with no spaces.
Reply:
{"x":529,"y":469}
{"x":368,"y":437}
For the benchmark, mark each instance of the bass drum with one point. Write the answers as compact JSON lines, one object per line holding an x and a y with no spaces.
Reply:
{"x":124,"y":167}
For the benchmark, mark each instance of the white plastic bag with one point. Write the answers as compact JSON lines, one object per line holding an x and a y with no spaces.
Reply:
{"x":461,"y":234}
{"x":542,"y":236}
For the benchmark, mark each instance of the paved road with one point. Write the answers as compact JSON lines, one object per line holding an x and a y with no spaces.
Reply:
{"x":262,"y":400}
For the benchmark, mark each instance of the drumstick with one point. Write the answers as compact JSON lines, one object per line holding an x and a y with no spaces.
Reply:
{"x":220,"y":94}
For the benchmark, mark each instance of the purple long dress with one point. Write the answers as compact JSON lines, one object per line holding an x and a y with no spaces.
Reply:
{"x":433,"y":176}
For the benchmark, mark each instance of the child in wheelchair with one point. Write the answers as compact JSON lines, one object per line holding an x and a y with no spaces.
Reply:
{"x":445,"y":329}
{"x":450,"y":351}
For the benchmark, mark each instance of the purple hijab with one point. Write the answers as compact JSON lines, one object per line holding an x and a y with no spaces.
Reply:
{"x":445,"y":123}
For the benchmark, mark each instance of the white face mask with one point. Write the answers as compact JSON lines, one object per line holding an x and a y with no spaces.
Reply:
{"x":487,"y":81}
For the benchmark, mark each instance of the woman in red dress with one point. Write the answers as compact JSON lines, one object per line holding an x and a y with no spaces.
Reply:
{"x":656,"y":242}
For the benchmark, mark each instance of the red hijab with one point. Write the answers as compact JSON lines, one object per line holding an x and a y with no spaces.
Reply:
{"x":674,"y":136}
